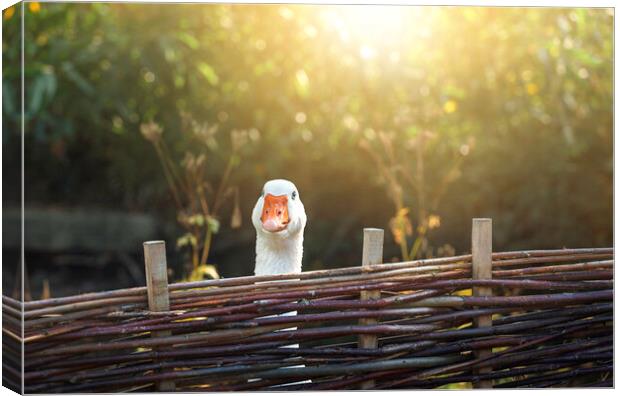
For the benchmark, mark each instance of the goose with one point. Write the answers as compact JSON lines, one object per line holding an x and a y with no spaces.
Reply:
{"x":279,"y":218}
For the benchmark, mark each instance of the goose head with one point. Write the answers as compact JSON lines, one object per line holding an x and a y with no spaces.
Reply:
{"x":279,"y":218}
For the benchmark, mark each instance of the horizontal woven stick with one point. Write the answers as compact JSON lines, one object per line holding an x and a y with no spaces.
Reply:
{"x":474,"y":343}
{"x":11,"y":372}
{"x":14,"y":312}
{"x":550,"y":259}
{"x":326,"y":356}
{"x":571,"y":276}
{"x":352,"y":304}
{"x":467,"y":338}
{"x":310,"y":294}
{"x":471,"y":312}
{"x":600,"y":319}
{"x":350,"y":382}
{"x":259,"y":307}
{"x":572,"y":374}
{"x":13,"y":303}
{"x":119,"y":357}
{"x":468,"y":364}
{"x":83,"y":306}
{"x":525,"y":284}
{"x":66,"y":308}
{"x":578,"y":358}
{"x":412,"y":275}
{"x":551,"y":252}
{"x":37,"y":304}
{"x":310,"y":372}
{"x":369,"y":352}
{"x":517,"y":301}
{"x":512,"y":359}
{"x":547,"y":353}
{"x":289,"y":295}
{"x":306,"y":275}
{"x":78,"y":315}
{"x":507,"y":329}
{"x":515,"y":372}
{"x":235,"y":335}
{"x":55,"y":329}
{"x":148,"y":378}
{"x":462,"y":314}
{"x":251,"y":320}
{"x":9,"y":333}
{"x":220,"y":336}
{"x":605,"y":264}
{"x":11,"y":321}
{"x":244,"y":280}
{"x":424,"y":299}
{"x":575,"y":312}
{"x":189,"y":363}
{"x":241,"y":372}
{"x":71,"y":328}
{"x":241,"y":297}
{"x":130,"y":328}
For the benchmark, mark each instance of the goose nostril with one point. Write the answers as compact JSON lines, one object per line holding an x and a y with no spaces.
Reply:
{"x":279,"y":212}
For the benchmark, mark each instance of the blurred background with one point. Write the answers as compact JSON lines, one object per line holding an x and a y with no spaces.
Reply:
{"x":163,"y":121}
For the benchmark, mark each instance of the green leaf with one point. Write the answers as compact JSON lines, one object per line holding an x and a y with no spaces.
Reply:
{"x":36,"y":94}
{"x":209,"y":73}
{"x":196,"y":219}
{"x":77,"y":79}
{"x":189,"y":40}
{"x":185,"y":240}
{"x":213,"y":224}
{"x":302,"y":83}
{"x":412,"y":131}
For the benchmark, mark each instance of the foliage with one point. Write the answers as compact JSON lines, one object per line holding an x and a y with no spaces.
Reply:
{"x":198,"y":203}
{"x":490,"y":112}
{"x":400,"y":175}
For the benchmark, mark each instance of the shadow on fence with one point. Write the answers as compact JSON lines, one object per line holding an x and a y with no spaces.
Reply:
{"x":539,"y":319}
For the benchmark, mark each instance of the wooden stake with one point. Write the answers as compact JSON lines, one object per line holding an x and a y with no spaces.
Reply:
{"x":372,"y":253}
{"x":481,"y":249}
{"x":157,"y":290}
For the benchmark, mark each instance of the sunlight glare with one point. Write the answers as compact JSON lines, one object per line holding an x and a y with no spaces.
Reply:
{"x":370,"y":25}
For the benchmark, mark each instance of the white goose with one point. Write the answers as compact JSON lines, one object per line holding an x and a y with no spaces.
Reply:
{"x":279,"y":218}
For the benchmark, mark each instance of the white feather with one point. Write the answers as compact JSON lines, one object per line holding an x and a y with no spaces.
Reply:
{"x":280,"y":252}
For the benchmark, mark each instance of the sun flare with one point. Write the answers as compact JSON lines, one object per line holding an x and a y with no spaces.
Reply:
{"x":372,"y":28}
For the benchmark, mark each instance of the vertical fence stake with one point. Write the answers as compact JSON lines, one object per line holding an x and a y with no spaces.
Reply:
{"x":372,"y":253}
{"x":157,"y":290}
{"x":481,"y":250}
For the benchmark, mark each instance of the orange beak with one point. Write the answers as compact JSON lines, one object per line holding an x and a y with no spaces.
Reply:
{"x":275,"y":213}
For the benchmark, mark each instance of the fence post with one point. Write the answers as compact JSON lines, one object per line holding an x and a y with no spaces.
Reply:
{"x":481,"y":250}
{"x":372,"y":253}
{"x":157,"y":290}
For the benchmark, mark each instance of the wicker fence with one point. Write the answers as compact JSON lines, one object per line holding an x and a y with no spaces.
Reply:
{"x":539,"y":318}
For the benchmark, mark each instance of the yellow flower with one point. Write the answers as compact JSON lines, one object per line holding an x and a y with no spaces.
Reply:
{"x":434,"y":221}
{"x":34,"y":7}
{"x":8,"y":13}
{"x":532,"y":89}
{"x":450,"y":106}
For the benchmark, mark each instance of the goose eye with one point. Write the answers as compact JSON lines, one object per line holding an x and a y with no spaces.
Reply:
{"x":294,"y":195}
